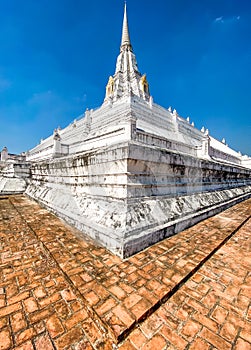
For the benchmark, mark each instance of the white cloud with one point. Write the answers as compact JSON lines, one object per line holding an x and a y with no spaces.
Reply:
{"x":223,"y":19}
{"x":219,"y":19}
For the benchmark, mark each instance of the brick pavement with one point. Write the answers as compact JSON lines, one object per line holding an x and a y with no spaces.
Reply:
{"x":58,"y":291}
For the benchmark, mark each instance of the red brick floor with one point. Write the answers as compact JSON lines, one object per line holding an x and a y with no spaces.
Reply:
{"x":59,"y":291}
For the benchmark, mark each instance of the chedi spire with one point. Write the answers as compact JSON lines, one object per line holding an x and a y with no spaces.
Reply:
{"x":127,"y":80}
{"x":125,"y":40}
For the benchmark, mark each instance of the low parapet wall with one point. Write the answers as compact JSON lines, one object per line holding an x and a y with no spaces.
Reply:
{"x":10,"y":185}
{"x":13,"y":177}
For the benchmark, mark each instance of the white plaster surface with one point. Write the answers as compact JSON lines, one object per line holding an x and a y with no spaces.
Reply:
{"x":10,"y":185}
{"x":128,"y":196}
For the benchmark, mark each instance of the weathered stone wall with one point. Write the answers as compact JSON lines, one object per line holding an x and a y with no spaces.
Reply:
{"x":18,"y":170}
{"x":88,"y":190}
{"x":155,"y":171}
{"x":131,"y":195}
{"x":13,"y":177}
{"x":168,"y":192}
{"x":11,"y":185}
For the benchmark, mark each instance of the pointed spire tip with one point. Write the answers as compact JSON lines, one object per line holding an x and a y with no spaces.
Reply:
{"x":125,"y":41}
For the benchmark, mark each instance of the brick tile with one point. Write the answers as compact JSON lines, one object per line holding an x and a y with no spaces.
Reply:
{"x":18,"y":297}
{"x":54,"y":326}
{"x":118,"y":292}
{"x":39,"y":327}
{"x":100,"y":290}
{"x":193,"y":293}
{"x":40,"y":292}
{"x":86,"y":345}
{"x":242,"y":302}
{"x":43,"y":342}
{"x":197,"y":306}
{"x":51,"y":299}
{"x":85,"y":276}
{"x":246,"y":290}
{"x":76,"y":318}
{"x":92,"y":298}
{"x":174,"y":338}
{"x":217,"y":287}
{"x":246,"y":335}
{"x":232,"y":290}
{"x":140,"y":308}
{"x":49,"y":284}
{"x":199,"y":344}
{"x":7,"y":310}
{"x":203,"y":288}
{"x":112,"y":260}
{"x":151,"y":324}
{"x":27,"y":334}
{"x":210,"y":300}
{"x":30,"y":304}
{"x":68,"y":295}
{"x":123,"y":315}
{"x":77,"y":280}
{"x":198,"y":277}
{"x":62,"y":309}
{"x":219,"y":314}
{"x":176,"y":277}
{"x":110,"y":279}
{"x":235,"y":318}
{"x":190,"y":329}
{"x":71,"y":337}
{"x":170,"y":320}
{"x":156,"y":342}
{"x":107,"y":305}
{"x":3,"y":322}
{"x":39,"y":315}
{"x":26,"y":346}
{"x":137,"y":338}
{"x":146,"y":294}
{"x":131,"y":300}
{"x":5,"y":339}
{"x":214,"y":339}
{"x":127,"y":345}
{"x":12,"y":275}
{"x":225,"y":279}
{"x":115,"y":324}
{"x":18,"y":321}
{"x":182,"y":314}
{"x":127,"y":288}
{"x":2,"y":301}
{"x":75,"y":271}
{"x":207,"y":322}
{"x":242,"y":345}
{"x":229,"y":331}
{"x":179,"y":297}
{"x":92,"y":331}
{"x":76,"y":306}
{"x":153,"y":285}
{"x":161,"y":291}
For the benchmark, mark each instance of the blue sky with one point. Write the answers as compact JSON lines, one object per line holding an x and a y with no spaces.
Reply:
{"x":56,"y":57}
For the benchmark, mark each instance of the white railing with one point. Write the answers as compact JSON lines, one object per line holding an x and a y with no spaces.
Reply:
{"x":224,"y":156}
{"x":162,"y":142}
